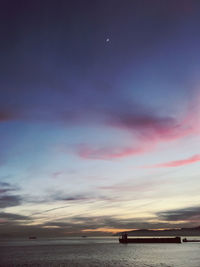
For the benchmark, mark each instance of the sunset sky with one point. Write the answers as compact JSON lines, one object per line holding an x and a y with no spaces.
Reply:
{"x":99,"y":116}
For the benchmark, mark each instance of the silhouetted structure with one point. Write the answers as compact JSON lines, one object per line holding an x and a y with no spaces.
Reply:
{"x":191,"y":240}
{"x":124,"y":237}
{"x":32,"y":237}
{"x":126,"y":240}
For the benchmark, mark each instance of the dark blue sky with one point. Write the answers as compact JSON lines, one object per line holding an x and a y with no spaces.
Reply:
{"x":96,"y":95}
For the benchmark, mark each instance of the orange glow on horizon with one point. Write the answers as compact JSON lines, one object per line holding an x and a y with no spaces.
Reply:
{"x":116,"y":230}
{"x":108,"y":230}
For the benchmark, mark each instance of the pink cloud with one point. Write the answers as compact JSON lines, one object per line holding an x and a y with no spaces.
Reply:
{"x":177,"y":163}
{"x":147,"y":130}
{"x":157,"y":128}
{"x":151,"y":126}
{"x":5,"y":116}
{"x":108,"y":153}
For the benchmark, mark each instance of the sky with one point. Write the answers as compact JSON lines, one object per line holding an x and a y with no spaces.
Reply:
{"x":99,"y":116}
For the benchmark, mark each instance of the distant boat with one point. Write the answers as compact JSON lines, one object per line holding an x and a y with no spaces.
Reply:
{"x":32,"y":237}
{"x":126,"y":240}
{"x":84,"y":236}
{"x":191,"y":240}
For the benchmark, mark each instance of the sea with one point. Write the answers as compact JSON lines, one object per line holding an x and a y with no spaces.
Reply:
{"x":96,"y":251}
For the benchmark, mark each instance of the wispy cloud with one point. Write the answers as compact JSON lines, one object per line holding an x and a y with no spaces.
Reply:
{"x":129,"y":186}
{"x":13,"y":217}
{"x":72,"y":198}
{"x":176,"y":163}
{"x":10,"y":200}
{"x":107,"y":153}
{"x":49,"y":210}
{"x":7,"y":199}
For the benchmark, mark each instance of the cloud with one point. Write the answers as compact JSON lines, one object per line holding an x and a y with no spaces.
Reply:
{"x":9,"y":201}
{"x":44,"y":211}
{"x":77,"y":225}
{"x":4,"y":184}
{"x":73,"y":198}
{"x":61,"y":196}
{"x":190,"y":214}
{"x":145,"y":124}
{"x":147,"y":129}
{"x":6,"y":115}
{"x":13,"y":217}
{"x":6,"y":199}
{"x":129,"y":186}
{"x":58,"y":197}
{"x":6,"y":187}
{"x":107,"y":153}
{"x":177,"y":163}
{"x":149,"y":126}
{"x":4,"y":190}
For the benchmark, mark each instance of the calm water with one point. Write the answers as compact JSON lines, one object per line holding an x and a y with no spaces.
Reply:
{"x":97,"y":252}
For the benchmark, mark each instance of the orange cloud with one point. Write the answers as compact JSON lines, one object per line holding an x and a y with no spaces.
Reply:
{"x":108,"y":230}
